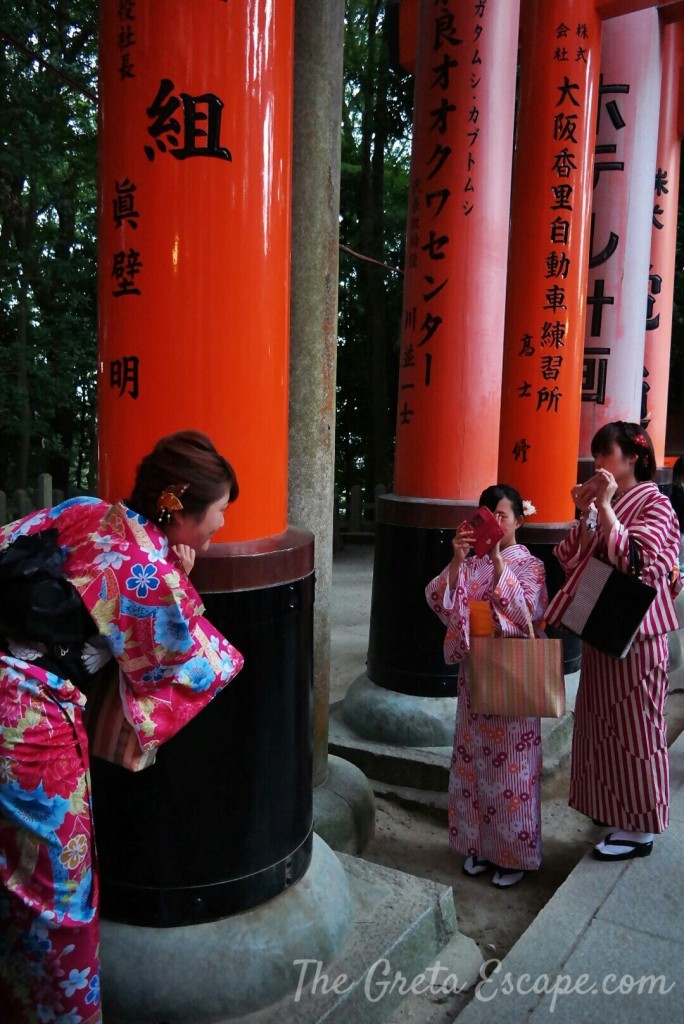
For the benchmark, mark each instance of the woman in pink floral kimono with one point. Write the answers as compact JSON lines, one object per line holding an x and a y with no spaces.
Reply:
{"x":494,"y":803}
{"x":79,"y":584}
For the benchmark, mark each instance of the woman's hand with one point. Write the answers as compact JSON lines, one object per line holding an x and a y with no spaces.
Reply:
{"x":186,"y":555}
{"x":461,"y":542}
{"x":583,"y":495}
{"x":606,"y":486}
{"x":497,"y":561}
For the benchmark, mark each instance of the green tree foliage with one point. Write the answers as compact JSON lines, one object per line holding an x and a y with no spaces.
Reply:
{"x":376,"y":129}
{"x":48,"y":258}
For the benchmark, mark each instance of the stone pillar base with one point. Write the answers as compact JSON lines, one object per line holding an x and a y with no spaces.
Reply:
{"x":344,"y":807}
{"x":228,"y":968}
{"x":399,"y":719}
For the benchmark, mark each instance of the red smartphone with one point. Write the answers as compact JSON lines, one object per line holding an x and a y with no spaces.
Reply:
{"x":487,"y":531}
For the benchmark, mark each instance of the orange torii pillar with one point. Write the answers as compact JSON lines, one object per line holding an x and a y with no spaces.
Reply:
{"x":452,"y":329}
{"x":560,"y":45}
{"x":194,"y":239}
{"x":663,"y":244}
{"x":549,"y":247}
{"x":622,"y":211}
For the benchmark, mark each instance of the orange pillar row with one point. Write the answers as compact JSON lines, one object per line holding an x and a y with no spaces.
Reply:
{"x":457,"y":239}
{"x":560,"y":43}
{"x":194,"y":234}
{"x":663,"y":242}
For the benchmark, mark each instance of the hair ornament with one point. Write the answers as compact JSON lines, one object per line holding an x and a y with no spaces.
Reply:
{"x":169,"y":501}
{"x":528,"y":508}
{"x":640,"y":440}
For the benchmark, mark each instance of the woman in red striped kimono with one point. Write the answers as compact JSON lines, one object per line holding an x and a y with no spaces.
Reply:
{"x":113,"y":584}
{"x":619,"y":772}
{"x":496,"y":764}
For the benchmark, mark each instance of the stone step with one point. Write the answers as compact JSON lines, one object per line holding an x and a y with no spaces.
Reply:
{"x":402,"y":925}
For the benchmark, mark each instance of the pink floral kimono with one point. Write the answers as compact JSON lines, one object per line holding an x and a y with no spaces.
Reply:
{"x":173,"y":663}
{"x":494,"y":803}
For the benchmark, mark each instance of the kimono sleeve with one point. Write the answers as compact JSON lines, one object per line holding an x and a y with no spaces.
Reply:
{"x":48,"y":518}
{"x":453,"y":612}
{"x":655,"y":532}
{"x":173,"y":661}
{"x":569,"y":552}
{"x":519,"y":592}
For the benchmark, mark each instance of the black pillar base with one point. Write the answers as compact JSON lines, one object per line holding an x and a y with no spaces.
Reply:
{"x":222,"y":821}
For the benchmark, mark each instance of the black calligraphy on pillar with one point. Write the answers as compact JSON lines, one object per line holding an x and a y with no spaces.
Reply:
{"x":433,"y":190}
{"x":599,"y":299}
{"x":124,"y":204}
{"x":126,"y":38}
{"x":618,"y":123}
{"x":548,"y":399}
{"x":655,"y":283}
{"x":594,"y":375}
{"x":527,"y":348}
{"x":645,"y":388}
{"x":123,"y":374}
{"x":597,"y":258}
{"x":199,"y":132}
{"x":125,"y":268}
{"x":520,"y":450}
{"x":476,"y":111}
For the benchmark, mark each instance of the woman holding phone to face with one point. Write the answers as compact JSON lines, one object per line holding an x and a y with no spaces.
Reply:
{"x":494,"y":803}
{"x":619,"y":768}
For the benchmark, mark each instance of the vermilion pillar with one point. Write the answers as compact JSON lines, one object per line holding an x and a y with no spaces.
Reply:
{"x":622,"y":211}
{"x":194,"y":234}
{"x":195,"y":197}
{"x":450,"y":370}
{"x":452,"y":327}
{"x":663,"y":243}
{"x":560,"y":45}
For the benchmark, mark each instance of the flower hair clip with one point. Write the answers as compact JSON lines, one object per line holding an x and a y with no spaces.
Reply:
{"x":640,"y":440}
{"x":528,"y":508}
{"x":169,"y":501}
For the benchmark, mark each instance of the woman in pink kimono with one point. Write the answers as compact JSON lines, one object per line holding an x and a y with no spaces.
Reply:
{"x":619,"y":770}
{"x":79,"y":584}
{"x":494,"y":804}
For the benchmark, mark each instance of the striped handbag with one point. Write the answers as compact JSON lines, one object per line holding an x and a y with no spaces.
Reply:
{"x":516,"y":676}
{"x":110,"y":735}
{"x":608,"y":606}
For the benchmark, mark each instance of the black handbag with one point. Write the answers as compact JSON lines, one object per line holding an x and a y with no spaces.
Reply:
{"x":608,"y":606}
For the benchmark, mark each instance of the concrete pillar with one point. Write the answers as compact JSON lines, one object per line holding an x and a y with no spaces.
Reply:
{"x":44,"y":491}
{"x":344,"y":813}
{"x":319,"y":35}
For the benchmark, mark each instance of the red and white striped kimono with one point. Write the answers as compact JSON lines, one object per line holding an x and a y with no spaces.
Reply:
{"x":494,"y":804}
{"x":619,"y":771}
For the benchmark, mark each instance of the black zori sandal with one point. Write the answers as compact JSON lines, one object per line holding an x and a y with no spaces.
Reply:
{"x":476,"y":866}
{"x":630,"y":849}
